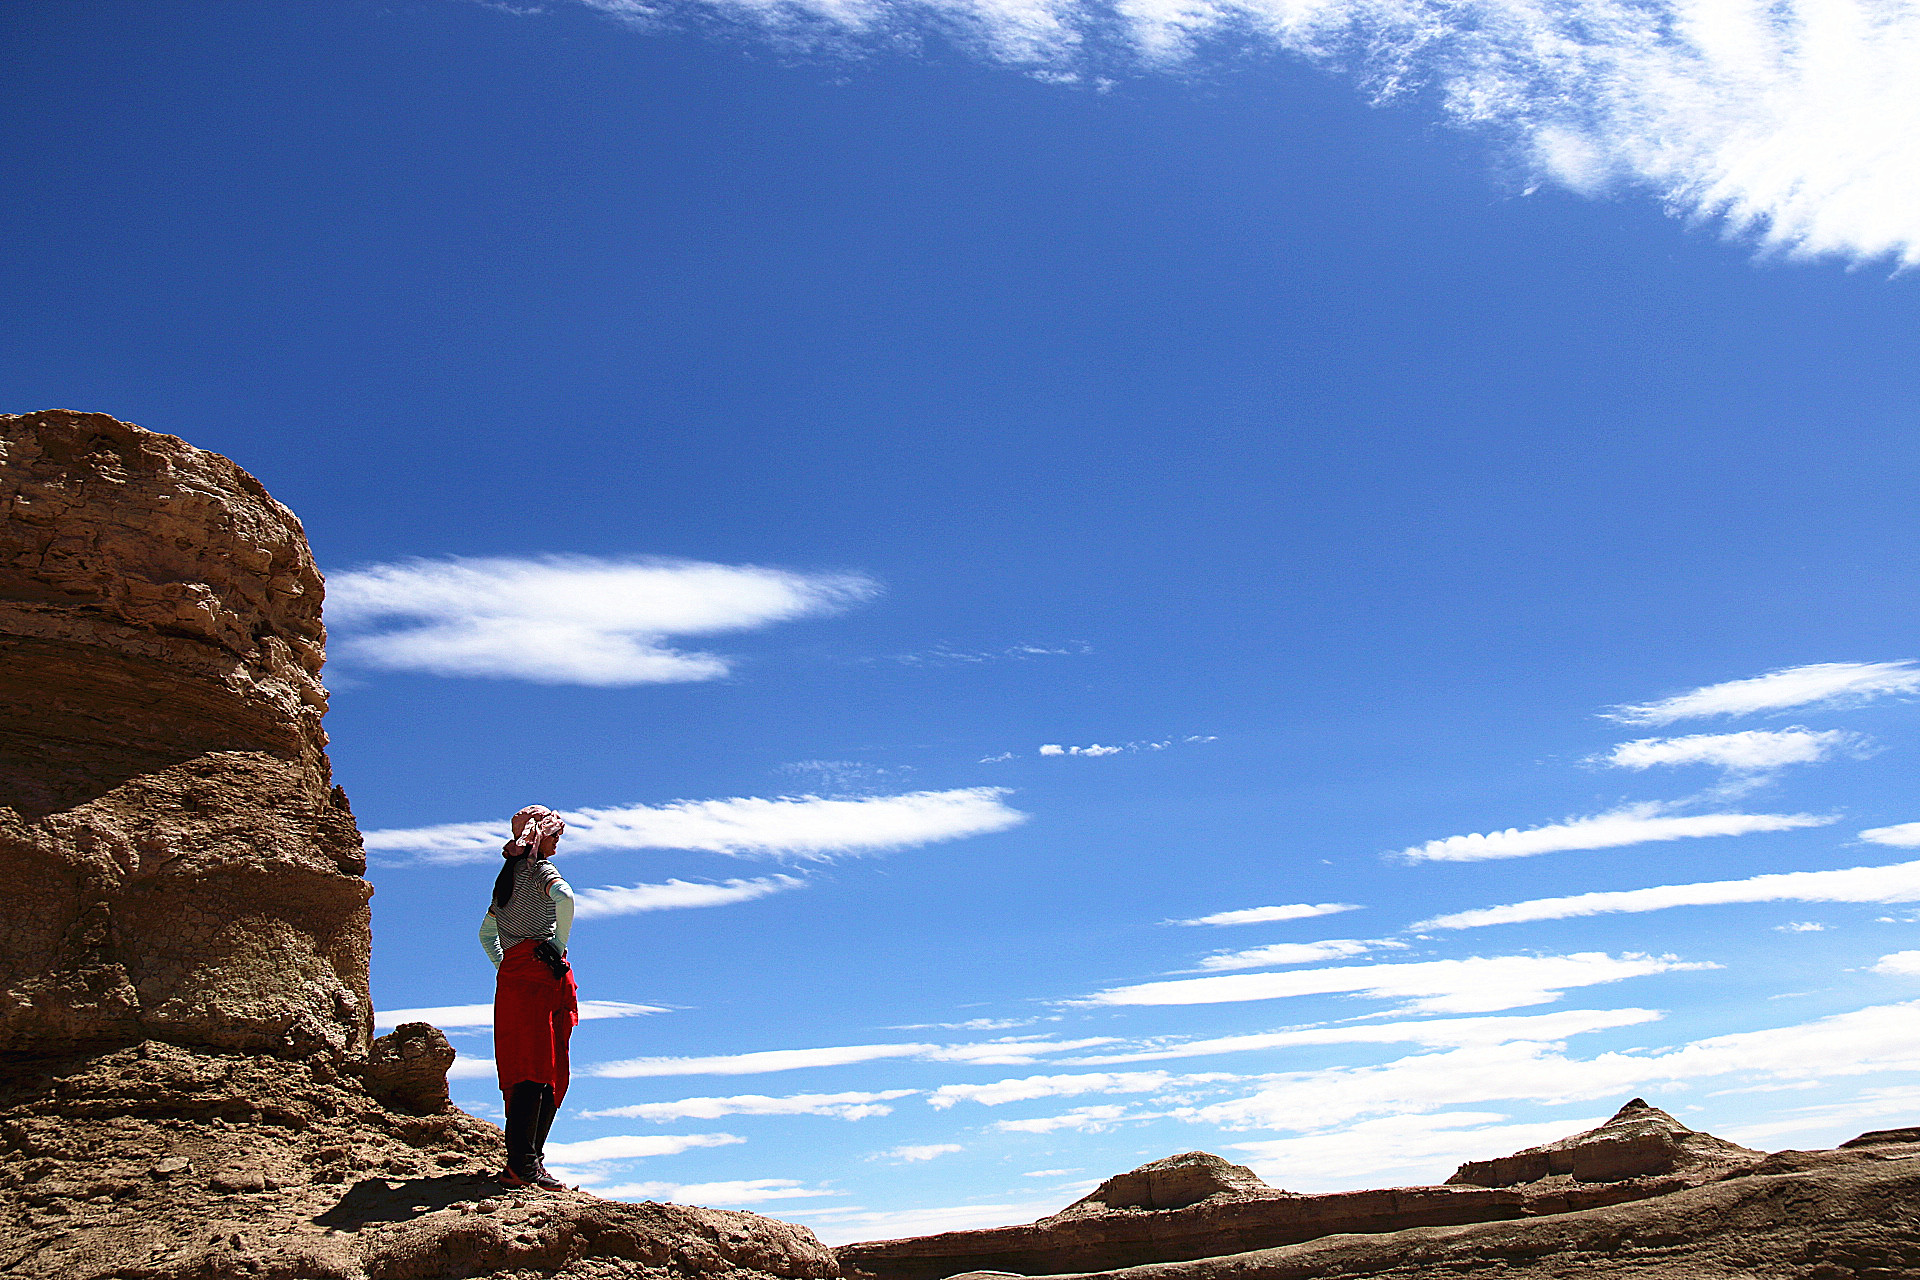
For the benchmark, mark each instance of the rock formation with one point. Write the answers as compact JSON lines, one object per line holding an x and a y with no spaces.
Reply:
{"x":188,"y":1087}
{"x":1197,"y":1205}
{"x":1848,"y":1214}
{"x":165,"y":801}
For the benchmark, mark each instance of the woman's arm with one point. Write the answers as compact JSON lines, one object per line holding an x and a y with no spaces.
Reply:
{"x":490,"y":938}
{"x":562,"y":894}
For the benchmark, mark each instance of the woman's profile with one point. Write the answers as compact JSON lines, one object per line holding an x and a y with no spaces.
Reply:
{"x":535,"y":1003}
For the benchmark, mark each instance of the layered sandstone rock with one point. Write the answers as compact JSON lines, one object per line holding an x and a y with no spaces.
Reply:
{"x":1848,"y":1214}
{"x":1197,"y":1205}
{"x":165,"y":801}
{"x":1640,"y":1141}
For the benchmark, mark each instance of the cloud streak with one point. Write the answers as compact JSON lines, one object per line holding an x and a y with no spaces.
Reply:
{"x":1788,"y":123}
{"x":1479,"y":984}
{"x":1818,"y":684}
{"x":1750,"y":752}
{"x":612,"y":900}
{"x":1013,"y":1051}
{"x":481,"y":1015}
{"x":565,"y":619}
{"x":788,"y":826}
{"x":1269,"y":915}
{"x":1628,"y":825}
{"x":1897,"y":883}
{"x":1433,"y":1032}
{"x":841,"y":1106}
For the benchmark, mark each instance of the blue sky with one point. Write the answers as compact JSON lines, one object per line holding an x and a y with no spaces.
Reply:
{"x":956,"y":500}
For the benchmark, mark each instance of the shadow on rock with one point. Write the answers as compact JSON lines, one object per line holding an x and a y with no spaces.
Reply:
{"x":398,"y":1200}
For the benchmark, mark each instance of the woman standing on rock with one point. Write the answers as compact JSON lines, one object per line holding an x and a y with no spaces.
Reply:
{"x":535,"y":1003}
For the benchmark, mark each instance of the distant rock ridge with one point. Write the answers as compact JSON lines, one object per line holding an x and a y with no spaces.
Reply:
{"x":1197,"y":1205}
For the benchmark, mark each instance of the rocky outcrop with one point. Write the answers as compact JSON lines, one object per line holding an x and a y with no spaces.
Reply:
{"x":188,"y":1089}
{"x":157,"y":1162}
{"x":1847,"y":1214}
{"x":1640,"y":1141}
{"x":1197,"y":1205}
{"x":165,"y":801}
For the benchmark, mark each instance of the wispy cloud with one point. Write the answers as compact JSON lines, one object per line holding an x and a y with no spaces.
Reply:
{"x":565,"y":619}
{"x":1480,"y":984}
{"x":613,"y":900}
{"x":1078,"y":1120}
{"x":1627,"y":825}
{"x":840,"y":1226}
{"x":943,"y":655}
{"x":635,"y":1146}
{"x":481,"y":1015}
{"x":1096,"y":750}
{"x":1067,"y":1086}
{"x":1278,"y":953}
{"x":1268,"y":915}
{"x":716,"y":1194}
{"x":1752,"y":751}
{"x":917,"y":1154}
{"x":1901,"y":964}
{"x":1904,"y":836}
{"x":1012,"y":1051}
{"x":1897,"y":883}
{"x":841,"y":1106}
{"x":1787,"y":124}
{"x":1821,"y":684}
{"x":1865,"y":1041}
{"x":789,"y":826}
{"x":1432,"y":1032}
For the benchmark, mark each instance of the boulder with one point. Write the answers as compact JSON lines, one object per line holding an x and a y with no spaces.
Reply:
{"x":407,"y":1069}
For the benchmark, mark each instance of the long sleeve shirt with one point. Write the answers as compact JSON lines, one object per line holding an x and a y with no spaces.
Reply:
{"x":540,"y":909}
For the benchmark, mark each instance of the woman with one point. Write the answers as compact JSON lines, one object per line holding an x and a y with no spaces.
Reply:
{"x":535,"y":1003}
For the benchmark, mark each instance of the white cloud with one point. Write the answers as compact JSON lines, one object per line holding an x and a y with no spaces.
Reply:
{"x":635,"y":1146}
{"x":1901,"y":964}
{"x":791,"y":826}
{"x":481,"y":1015}
{"x":1751,"y":751}
{"x":930,"y":1151}
{"x":1865,"y":1041}
{"x":1410,"y":1150}
{"x":1265,"y":915}
{"x":1080,"y":1120}
{"x":1897,"y":883}
{"x":1013,"y":1051}
{"x":1800,"y":926}
{"x":1434,"y":1032}
{"x":1479,"y":984}
{"x":1095,"y":749}
{"x":1067,"y":1086}
{"x":843,"y":1106}
{"x":712,"y":1194}
{"x":1787,"y":124}
{"x":1048,"y":1173}
{"x":1825,"y":684}
{"x":565,"y":619}
{"x":1631,"y":824}
{"x":1276,"y":953}
{"x":466,"y":1067}
{"x":615,"y":900}
{"x":1904,"y":836}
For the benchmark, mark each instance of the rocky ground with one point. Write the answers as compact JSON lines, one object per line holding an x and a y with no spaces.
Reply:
{"x":158,"y":1162}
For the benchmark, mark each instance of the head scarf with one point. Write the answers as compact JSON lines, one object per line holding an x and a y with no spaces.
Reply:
{"x":531,"y":827}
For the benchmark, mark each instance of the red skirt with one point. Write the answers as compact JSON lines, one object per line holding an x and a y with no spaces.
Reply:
{"x":534,"y":1014}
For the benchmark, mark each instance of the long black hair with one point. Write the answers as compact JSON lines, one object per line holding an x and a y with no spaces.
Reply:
{"x":503,"y":883}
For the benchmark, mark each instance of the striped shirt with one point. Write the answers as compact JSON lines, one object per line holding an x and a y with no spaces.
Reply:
{"x":534,"y":911}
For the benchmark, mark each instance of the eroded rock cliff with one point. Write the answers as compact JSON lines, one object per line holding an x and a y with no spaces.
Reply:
{"x":165,"y":802}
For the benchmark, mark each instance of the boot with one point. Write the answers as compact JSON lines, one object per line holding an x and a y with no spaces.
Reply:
{"x":542,"y":1126}
{"x":523,"y":1119}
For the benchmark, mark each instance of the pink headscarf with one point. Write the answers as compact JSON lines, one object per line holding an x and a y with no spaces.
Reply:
{"x":531,"y":827}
